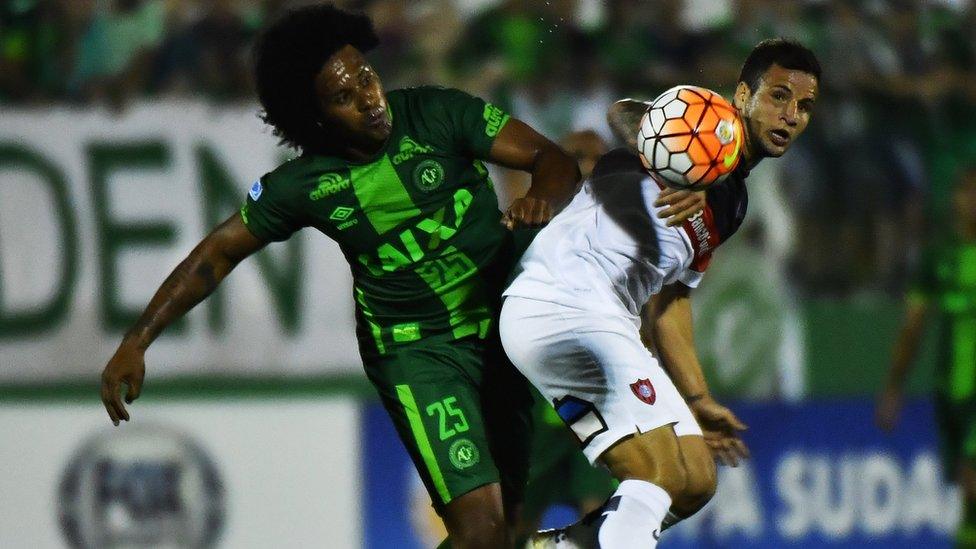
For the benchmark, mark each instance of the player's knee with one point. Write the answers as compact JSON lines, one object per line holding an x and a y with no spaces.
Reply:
{"x":486,"y":533}
{"x":700,"y":485}
{"x":698,"y":492}
{"x":652,"y":457}
{"x":670,"y":475}
{"x":477,"y":519}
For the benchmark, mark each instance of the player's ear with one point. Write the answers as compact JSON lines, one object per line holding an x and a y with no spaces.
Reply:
{"x":742,"y":94}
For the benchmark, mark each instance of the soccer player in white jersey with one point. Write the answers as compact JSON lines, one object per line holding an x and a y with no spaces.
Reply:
{"x":572,"y":317}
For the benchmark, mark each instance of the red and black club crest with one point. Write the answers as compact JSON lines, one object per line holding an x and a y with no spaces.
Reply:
{"x":643,"y":390}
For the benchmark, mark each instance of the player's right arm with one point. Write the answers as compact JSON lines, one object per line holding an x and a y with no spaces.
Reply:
{"x":666,"y":328}
{"x":902,"y":359}
{"x":190,"y":283}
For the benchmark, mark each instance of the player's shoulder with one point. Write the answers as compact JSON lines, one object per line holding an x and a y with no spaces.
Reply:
{"x":290,"y":176}
{"x":618,"y":162}
{"x":430,"y":95}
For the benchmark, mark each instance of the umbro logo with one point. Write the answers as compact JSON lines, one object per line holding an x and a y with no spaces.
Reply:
{"x":341,"y":216}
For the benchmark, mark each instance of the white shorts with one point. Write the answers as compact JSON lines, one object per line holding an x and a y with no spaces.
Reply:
{"x":593,"y":368}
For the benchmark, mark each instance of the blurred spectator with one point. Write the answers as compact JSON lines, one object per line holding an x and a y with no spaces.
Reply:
{"x":114,"y":53}
{"x":896,"y":118}
{"x":207,"y":51}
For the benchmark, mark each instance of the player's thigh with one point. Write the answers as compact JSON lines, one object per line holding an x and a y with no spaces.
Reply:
{"x":507,"y":404}
{"x":702,"y":474}
{"x":432,"y":393}
{"x":653,"y":456}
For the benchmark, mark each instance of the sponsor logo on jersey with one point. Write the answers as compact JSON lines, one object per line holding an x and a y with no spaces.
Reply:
{"x":409,"y":148}
{"x":700,"y":232}
{"x":329,"y":184}
{"x":428,"y":175}
{"x":495,"y":118}
{"x":256,"y":190}
{"x":643,"y":390}
{"x":463,"y":454}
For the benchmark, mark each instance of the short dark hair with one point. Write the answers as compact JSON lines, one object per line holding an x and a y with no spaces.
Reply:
{"x":784,"y":52}
{"x":287,"y":56}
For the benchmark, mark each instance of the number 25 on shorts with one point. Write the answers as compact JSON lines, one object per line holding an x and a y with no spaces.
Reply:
{"x":445,"y":409}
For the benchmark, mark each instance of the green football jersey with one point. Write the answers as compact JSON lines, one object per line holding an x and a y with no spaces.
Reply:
{"x":419,"y":223}
{"x":947,"y":281}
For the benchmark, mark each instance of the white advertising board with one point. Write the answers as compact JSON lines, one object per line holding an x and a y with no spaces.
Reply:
{"x":243,"y":473}
{"x":96,"y":208}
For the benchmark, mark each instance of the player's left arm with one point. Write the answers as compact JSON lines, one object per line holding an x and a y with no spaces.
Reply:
{"x":555,"y":174}
{"x":667,"y":328}
{"x":624,"y":117}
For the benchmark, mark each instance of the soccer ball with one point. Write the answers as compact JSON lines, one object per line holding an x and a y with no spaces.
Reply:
{"x":690,"y":137}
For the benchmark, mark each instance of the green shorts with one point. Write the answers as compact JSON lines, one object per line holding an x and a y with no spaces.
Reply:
{"x":957,"y":434}
{"x":462,"y":411}
{"x":560,"y":473}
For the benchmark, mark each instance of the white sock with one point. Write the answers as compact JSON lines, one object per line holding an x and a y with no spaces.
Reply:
{"x":632,"y":517}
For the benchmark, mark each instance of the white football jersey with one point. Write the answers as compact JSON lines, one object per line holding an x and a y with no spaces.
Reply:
{"x":607,"y":250}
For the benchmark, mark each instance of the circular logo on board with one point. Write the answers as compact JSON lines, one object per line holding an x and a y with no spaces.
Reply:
{"x":428,"y":175}
{"x":147,"y":486}
{"x":464,"y":454}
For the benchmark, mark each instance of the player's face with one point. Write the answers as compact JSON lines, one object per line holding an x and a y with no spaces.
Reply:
{"x":351,"y":100}
{"x":778,"y":111}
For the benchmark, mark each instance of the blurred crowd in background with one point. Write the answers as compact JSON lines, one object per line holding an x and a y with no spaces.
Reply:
{"x":867,"y":185}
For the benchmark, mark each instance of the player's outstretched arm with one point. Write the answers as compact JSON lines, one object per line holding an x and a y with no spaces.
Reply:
{"x":667,"y":328}
{"x":903,"y":356}
{"x":192,"y":281}
{"x":555,"y":174}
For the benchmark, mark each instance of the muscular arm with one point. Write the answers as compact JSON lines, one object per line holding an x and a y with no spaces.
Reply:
{"x":667,"y":328}
{"x":555,"y":174}
{"x":190,"y":283}
{"x":194,"y":279}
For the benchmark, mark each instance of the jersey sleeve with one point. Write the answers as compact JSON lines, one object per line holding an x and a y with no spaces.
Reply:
{"x":691,"y":278}
{"x":269,"y":213}
{"x":467,"y":123}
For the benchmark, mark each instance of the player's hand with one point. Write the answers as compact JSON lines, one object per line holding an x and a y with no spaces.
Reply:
{"x":888,"y":409}
{"x":727,"y":449}
{"x":679,"y":206}
{"x":127,"y":366}
{"x":722,"y":428}
{"x":527,"y":212}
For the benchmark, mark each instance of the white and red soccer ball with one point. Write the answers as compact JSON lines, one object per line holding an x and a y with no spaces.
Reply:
{"x":690,"y":137}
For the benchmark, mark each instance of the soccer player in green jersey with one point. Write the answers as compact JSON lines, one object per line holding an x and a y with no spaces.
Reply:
{"x":946,"y":285}
{"x":397,"y":180}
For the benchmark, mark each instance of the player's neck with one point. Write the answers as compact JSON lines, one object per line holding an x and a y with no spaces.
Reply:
{"x":749,"y":157}
{"x":362,"y":154}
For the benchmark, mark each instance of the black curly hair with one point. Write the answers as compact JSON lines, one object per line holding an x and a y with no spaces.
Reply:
{"x":287,"y":56}
{"x":786,"y":53}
